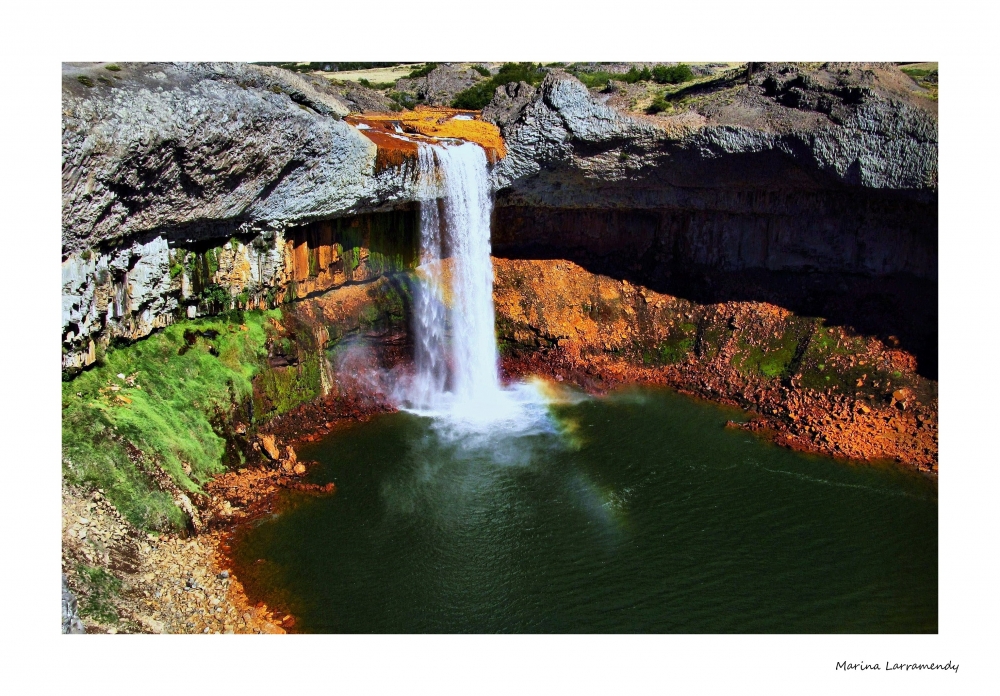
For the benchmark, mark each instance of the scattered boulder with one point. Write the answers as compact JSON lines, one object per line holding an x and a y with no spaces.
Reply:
{"x":270,"y":447}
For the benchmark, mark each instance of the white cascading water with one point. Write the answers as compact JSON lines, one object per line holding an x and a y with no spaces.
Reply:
{"x":457,"y":375}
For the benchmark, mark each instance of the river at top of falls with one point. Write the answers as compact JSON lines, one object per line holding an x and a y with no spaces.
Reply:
{"x":456,"y":378}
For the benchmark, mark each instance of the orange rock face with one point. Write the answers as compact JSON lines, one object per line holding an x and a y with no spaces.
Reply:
{"x":811,"y":387}
{"x":396,"y":135}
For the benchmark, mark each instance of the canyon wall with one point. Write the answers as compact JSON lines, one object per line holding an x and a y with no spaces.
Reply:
{"x":814,"y":190}
{"x":187,"y":189}
{"x":176,"y":165}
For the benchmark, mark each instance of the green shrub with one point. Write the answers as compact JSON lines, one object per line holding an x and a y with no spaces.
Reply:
{"x":404,"y":100}
{"x":422,"y":72}
{"x":633,"y":75}
{"x":593,"y":79}
{"x":480,"y":94}
{"x":672,"y":75}
{"x":485,"y":72}
{"x":375,"y":85}
{"x":84,"y":80}
{"x":659,"y":105}
{"x":112,"y":67}
{"x":328,"y":66}
{"x":216,"y":298}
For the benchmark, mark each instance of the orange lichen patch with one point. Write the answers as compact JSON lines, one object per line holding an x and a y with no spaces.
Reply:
{"x":392,"y":151}
{"x":429,"y":123}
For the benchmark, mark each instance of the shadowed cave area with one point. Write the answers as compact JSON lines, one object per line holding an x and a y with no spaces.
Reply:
{"x":865,"y":260}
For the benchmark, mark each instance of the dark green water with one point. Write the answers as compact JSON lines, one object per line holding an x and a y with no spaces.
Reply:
{"x":644,"y":515}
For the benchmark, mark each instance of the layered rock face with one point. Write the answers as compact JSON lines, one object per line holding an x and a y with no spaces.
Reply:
{"x":127,"y":292}
{"x":861,"y":136}
{"x":167,"y":164}
{"x":815,"y":191}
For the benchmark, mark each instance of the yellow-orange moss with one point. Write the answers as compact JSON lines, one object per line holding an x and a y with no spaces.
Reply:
{"x":432,"y":123}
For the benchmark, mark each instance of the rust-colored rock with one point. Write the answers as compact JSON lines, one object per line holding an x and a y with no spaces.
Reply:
{"x":396,"y":134}
{"x":267,"y":442}
{"x":811,"y":387}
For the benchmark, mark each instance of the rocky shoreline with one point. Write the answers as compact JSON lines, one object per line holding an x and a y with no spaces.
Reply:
{"x":810,"y":387}
{"x":812,"y":423}
{"x":190,"y":582}
{"x":130,"y":581}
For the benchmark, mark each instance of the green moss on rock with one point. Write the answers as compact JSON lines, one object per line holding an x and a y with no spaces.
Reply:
{"x":679,"y":344}
{"x":770,"y":356}
{"x":151,"y":405}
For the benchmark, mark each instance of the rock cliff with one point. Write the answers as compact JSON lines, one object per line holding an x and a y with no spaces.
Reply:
{"x":743,"y":133}
{"x":183,"y":185}
{"x":207,"y":150}
{"x":181,"y":181}
{"x":790,"y":185}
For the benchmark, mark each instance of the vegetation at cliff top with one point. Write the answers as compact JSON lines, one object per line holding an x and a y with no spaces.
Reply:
{"x":672,"y":75}
{"x":661,"y":74}
{"x":153,"y":405}
{"x":376,"y":85}
{"x":426,"y":70}
{"x":330,"y":66}
{"x":480,"y":94}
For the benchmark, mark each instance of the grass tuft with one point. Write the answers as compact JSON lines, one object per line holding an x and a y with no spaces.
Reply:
{"x":101,"y":588}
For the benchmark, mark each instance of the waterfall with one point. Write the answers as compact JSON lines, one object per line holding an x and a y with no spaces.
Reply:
{"x":456,"y":359}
